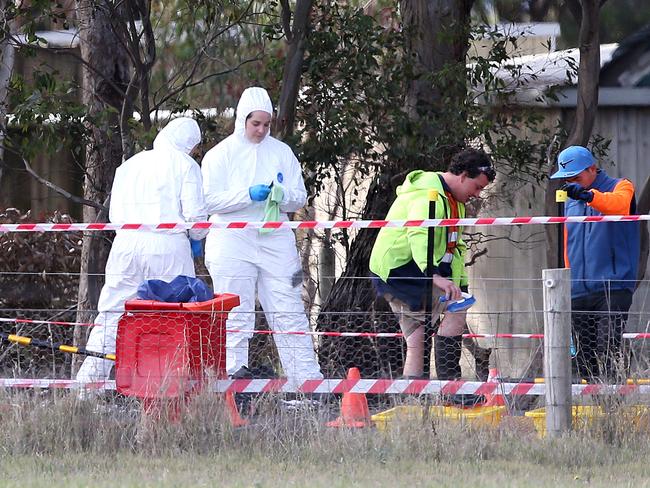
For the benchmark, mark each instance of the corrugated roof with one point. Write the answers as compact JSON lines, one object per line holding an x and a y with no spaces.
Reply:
{"x":540,"y":71}
{"x":57,"y":39}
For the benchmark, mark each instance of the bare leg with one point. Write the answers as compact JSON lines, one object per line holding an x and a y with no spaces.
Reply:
{"x":412,"y":324}
{"x":414,"y":362}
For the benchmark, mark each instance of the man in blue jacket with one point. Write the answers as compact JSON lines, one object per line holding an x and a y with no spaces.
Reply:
{"x":603,"y":257}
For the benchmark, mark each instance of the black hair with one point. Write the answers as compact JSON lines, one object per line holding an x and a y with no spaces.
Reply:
{"x":474,"y":162}
{"x":250,"y":114}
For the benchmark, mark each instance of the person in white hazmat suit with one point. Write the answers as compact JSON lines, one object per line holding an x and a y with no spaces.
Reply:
{"x":155,"y":186}
{"x":240,"y":175}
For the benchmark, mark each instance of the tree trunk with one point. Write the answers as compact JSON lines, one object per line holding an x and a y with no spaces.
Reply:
{"x":588,"y":74}
{"x":352,"y":307}
{"x":586,"y":106}
{"x":104,"y":81}
{"x":296,"y":33}
{"x":437,"y":37}
{"x":7,"y":56}
{"x":437,"y":41}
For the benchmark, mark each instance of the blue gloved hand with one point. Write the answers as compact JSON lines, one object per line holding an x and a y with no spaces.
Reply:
{"x":197,"y":248}
{"x":259,"y":193}
{"x":575,"y":191}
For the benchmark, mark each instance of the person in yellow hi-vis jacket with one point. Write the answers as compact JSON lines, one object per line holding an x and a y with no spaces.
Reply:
{"x":399,"y":258}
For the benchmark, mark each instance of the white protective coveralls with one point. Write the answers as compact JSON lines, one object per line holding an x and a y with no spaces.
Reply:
{"x":240,"y":260}
{"x":160,"y":185}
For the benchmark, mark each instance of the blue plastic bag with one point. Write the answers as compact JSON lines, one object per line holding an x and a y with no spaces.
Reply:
{"x":182,"y":289}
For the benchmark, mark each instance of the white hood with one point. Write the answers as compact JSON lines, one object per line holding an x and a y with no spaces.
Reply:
{"x":183,"y":134}
{"x":253,"y":99}
{"x":235,"y":164}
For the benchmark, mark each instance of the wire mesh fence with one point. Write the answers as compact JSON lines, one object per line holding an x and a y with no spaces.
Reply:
{"x":607,"y":345}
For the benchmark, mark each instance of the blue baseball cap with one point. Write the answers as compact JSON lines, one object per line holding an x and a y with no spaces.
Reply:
{"x":572,"y":161}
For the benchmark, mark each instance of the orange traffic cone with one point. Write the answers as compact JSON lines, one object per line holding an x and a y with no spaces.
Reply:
{"x":236,"y":420}
{"x":494,"y":399}
{"x":354,"y":407}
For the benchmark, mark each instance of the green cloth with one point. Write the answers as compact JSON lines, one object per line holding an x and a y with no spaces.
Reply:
{"x":272,"y":207}
{"x":396,"y":246}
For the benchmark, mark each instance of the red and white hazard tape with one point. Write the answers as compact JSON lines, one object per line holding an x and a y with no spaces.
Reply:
{"x":414,"y":387}
{"x":367,"y":386}
{"x":627,"y":335}
{"x":312,"y":224}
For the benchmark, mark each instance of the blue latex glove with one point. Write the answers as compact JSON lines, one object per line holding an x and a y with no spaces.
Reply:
{"x":259,"y":193}
{"x":575,"y":191}
{"x":197,"y":248}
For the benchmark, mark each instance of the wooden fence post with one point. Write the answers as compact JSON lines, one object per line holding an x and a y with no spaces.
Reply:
{"x":557,"y":340}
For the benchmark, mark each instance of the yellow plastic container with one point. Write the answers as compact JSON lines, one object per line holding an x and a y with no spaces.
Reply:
{"x":636,"y":416}
{"x":582,"y":416}
{"x":476,"y":416}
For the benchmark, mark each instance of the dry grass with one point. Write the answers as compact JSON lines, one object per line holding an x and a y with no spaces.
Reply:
{"x":62,"y":441}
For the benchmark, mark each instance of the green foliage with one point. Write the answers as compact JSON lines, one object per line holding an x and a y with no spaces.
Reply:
{"x":618,"y":19}
{"x":208,"y":51}
{"x":35,"y":15}
{"x":45,"y":116}
{"x":351,"y":112}
{"x":515,"y":137}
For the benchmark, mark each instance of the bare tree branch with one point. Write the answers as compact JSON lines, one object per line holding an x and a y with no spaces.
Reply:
{"x":197,"y":61}
{"x":187,"y":83}
{"x":60,"y":190}
{"x":293,"y":67}
{"x":475,"y":240}
{"x":286,"y":20}
{"x":474,"y":258}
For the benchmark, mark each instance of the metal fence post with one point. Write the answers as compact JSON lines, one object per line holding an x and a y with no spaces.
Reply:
{"x":557,"y":340}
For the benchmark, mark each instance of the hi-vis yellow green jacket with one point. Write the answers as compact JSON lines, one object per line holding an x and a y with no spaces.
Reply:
{"x":395,"y":247}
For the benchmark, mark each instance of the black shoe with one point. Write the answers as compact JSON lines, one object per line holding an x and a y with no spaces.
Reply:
{"x":258,"y":372}
{"x":242,"y":373}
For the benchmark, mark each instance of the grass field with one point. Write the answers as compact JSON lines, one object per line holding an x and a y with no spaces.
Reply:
{"x":61,"y":441}
{"x":228,"y":469}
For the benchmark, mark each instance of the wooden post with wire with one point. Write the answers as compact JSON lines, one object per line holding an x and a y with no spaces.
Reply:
{"x":557,"y":358}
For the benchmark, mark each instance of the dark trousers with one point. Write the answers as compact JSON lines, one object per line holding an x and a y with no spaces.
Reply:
{"x":598,"y":322}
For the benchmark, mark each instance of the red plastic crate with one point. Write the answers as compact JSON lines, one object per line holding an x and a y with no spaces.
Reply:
{"x":164,"y":350}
